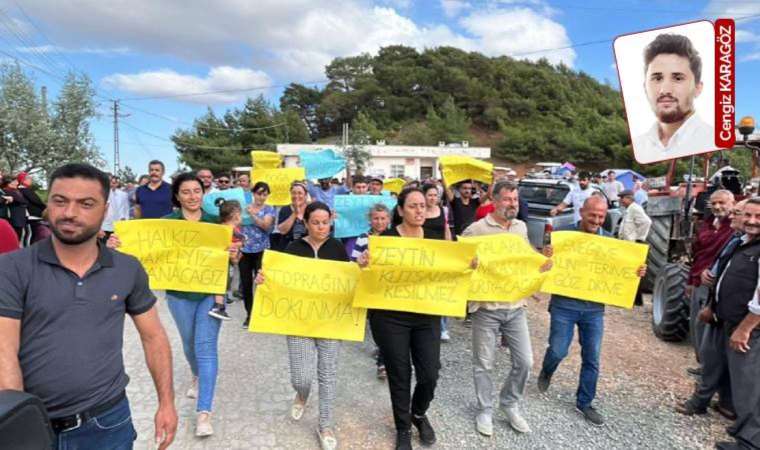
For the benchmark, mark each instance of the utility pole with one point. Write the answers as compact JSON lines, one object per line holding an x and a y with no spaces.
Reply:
{"x":116,"y":115}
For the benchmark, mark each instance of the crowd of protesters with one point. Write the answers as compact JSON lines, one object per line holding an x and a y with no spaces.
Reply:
{"x":83,"y":204}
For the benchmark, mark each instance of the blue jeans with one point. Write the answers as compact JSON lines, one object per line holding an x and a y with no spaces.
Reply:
{"x":590,"y":330}
{"x":200,"y":335}
{"x":112,"y":429}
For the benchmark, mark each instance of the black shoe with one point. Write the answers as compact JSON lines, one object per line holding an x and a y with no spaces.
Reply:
{"x":245,"y":323}
{"x":404,"y":440}
{"x":427,"y":434}
{"x":591,"y":415}
{"x":724,"y":411}
{"x":726,"y":445}
{"x":544,"y":380}
{"x":688,"y":408}
{"x":381,"y":373}
{"x":219,"y":313}
{"x":694,"y":371}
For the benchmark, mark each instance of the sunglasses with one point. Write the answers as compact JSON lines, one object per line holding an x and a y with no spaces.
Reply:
{"x":224,"y":181}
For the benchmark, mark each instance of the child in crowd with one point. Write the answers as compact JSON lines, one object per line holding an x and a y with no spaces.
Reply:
{"x":229,"y":214}
{"x":379,"y":219}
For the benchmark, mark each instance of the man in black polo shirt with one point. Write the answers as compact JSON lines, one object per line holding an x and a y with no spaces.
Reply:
{"x":154,"y":200}
{"x":62,"y":306}
{"x":737,"y":310}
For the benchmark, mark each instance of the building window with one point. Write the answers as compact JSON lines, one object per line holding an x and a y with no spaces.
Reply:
{"x":397,"y":170}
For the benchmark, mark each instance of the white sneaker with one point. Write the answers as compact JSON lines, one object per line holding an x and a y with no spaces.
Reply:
{"x":296,"y":411}
{"x":203,"y":424}
{"x":445,"y":337}
{"x":327,"y":439}
{"x":516,"y":420}
{"x":192,"y":392}
{"x":484,"y":424}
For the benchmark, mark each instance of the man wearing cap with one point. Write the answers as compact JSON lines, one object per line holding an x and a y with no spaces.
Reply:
{"x":576,"y":197}
{"x":376,"y":186}
{"x":635,"y":223}
{"x":634,"y":227}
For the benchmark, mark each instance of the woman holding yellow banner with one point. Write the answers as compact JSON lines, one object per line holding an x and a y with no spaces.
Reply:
{"x":199,"y":331}
{"x":400,"y":334}
{"x":316,"y":244}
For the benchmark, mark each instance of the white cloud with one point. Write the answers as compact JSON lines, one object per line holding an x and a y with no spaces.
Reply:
{"x":520,"y":32}
{"x":750,"y":57}
{"x":168,"y":82}
{"x":737,"y":10}
{"x":744,"y":36}
{"x":292,"y":39}
{"x":452,"y":8}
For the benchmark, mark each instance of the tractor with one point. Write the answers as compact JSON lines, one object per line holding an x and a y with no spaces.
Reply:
{"x":675,"y":211}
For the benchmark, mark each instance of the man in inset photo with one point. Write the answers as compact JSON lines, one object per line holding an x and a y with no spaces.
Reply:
{"x":673,"y":79}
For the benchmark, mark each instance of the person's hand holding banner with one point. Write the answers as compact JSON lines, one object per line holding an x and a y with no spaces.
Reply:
{"x":279,"y":181}
{"x":178,"y":254}
{"x":595,"y":268}
{"x":351,"y":213}
{"x":307,"y":297}
{"x":321,"y":164}
{"x":460,"y":168}
{"x":263,"y":159}
{"x":416,"y":275}
{"x":509,"y":268}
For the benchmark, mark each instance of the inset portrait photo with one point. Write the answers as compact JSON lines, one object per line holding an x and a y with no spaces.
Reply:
{"x":667,"y":77}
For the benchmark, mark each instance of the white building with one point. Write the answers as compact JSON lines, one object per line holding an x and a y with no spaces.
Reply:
{"x":392,"y":161}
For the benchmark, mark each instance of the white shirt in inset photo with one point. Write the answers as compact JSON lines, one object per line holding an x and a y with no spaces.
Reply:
{"x":693,"y":137}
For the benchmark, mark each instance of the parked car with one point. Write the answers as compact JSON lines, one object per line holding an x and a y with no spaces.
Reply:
{"x":544,"y":194}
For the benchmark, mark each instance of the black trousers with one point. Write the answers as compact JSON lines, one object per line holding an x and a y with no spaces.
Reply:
{"x":401,"y":336}
{"x":249,"y":265}
{"x":745,"y":388}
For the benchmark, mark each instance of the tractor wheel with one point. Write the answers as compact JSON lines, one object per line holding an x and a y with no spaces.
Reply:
{"x":670,"y":307}
{"x":659,"y":244}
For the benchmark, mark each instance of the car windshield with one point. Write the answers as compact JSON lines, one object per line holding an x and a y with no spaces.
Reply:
{"x":549,"y":195}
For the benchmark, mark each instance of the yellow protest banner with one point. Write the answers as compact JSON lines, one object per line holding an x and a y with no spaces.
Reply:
{"x":459,"y":168}
{"x":595,"y":268}
{"x":394,"y":185}
{"x":307,"y":297}
{"x":178,"y":254}
{"x":416,"y":275}
{"x":508,"y":268}
{"x":263,"y":159}
{"x":279,"y":181}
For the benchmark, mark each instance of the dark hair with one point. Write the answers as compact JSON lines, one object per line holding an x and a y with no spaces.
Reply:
{"x":224,"y":174}
{"x":678,"y":45}
{"x":228,"y":208}
{"x":156,"y":162}
{"x":177,"y":183}
{"x":314,"y":206}
{"x":509,"y":186}
{"x":142,"y":177}
{"x":753,"y":201}
{"x":360,"y":179}
{"x":428,"y":186}
{"x":261,"y":185}
{"x":6,"y":180}
{"x":401,"y":200}
{"x":84,"y":171}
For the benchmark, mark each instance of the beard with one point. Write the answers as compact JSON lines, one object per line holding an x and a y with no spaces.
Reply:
{"x":510,"y":213}
{"x":673,"y":116}
{"x":85,"y":235}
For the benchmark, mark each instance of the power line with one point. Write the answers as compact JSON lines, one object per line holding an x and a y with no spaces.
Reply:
{"x":54,"y":47}
{"x":224,"y":91}
{"x":203,"y":127}
{"x":180,"y":142}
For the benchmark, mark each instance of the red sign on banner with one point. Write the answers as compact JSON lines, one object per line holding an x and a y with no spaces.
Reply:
{"x":725,"y":83}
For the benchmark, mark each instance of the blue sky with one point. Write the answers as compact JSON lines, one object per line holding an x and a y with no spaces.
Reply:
{"x":147,"y":48}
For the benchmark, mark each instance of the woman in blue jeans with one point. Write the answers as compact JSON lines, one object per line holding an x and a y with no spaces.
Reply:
{"x":198,"y":330}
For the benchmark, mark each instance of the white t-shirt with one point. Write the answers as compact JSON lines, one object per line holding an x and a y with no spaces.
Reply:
{"x":576,"y":197}
{"x":693,"y":136}
{"x":612,"y":190}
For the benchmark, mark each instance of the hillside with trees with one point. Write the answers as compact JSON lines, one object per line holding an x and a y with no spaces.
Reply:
{"x":524,"y":111}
